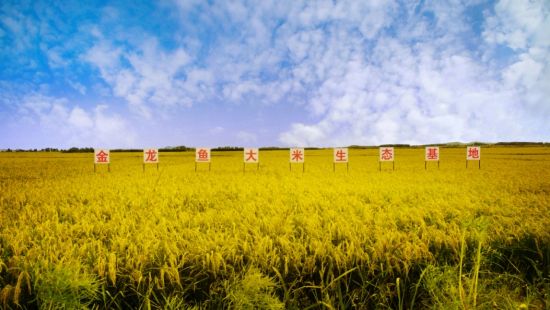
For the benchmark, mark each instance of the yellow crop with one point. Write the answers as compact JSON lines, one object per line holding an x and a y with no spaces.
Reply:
{"x":273,"y":238}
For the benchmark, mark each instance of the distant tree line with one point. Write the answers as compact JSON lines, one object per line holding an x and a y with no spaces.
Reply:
{"x":79,"y":150}
{"x":227,"y":148}
{"x":48,"y":149}
{"x":522,"y":143}
{"x":181,"y":148}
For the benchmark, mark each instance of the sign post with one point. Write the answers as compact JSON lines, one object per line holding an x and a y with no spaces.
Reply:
{"x":202,"y":155}
{"x":431,"y":154}
{"x":150,"y":156}
{"x":102,"y":156}
{"x":251,"y":156}
{"x":386,"y":154}
{"x":473,"y":153}
{"x":340,"y":155}
{"x":297,"y":156}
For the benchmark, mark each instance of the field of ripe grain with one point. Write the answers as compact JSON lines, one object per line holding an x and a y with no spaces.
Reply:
{"x":447,"y":238}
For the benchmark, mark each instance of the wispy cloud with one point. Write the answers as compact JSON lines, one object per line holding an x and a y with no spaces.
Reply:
{"x":73,"y":125}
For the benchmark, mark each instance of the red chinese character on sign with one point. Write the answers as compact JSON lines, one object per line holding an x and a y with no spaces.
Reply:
{"x":203,"y":154}
{"x":340,"y":155}
{"x":297,"y":155}
{"x":102,"y":157}
{"x":250,"y":156}
{"x":473,"y":152}
{"x":151,"y":155}
{"x":432,"y":153}
{"x":387,"y":154}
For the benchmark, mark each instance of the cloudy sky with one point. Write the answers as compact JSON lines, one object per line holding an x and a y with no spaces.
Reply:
{"x":262,"y":73}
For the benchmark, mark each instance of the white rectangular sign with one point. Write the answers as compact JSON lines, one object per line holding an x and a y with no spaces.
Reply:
{"x":202,"y":154}
{"x":251,"y":155}
{"x":340,"y":154}
{"x":386,"y":154}
{"x":101,"y":156}
{"x":297,"y":155}
{"x":150,"y":156}
{"x":432,"y":153}
{"x":473,"y":153}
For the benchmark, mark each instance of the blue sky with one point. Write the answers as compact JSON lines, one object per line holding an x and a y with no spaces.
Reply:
{"x":264,"y":73}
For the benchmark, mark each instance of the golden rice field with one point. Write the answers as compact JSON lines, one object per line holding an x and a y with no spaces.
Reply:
{"x":448,"y":238}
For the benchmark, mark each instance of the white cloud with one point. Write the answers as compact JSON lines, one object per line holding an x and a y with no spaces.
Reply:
{"x":519,"y":24}
{"x":148,"y":78}
{"x":304,"y":135}
{"x":523,"y":26}
{"x":73,"y":125}
{"x":524,"y":73}
{"x":80,"y":119}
